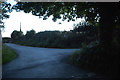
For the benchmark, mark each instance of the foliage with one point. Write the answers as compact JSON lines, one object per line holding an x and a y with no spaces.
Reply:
{"x":6,"y":39}
{"x":69,"y":10}
{"x":30,"y":34}
{"x":16,"y":35}
{"x":8,"y":54}
{"x":4,"y":9}
{"x":98,"y":60}
{"x":95,"y":13}
{"x":75,"y":57}
{"x":56,"y":39}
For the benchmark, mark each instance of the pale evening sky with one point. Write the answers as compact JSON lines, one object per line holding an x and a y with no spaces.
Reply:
{"x":29,"y":21}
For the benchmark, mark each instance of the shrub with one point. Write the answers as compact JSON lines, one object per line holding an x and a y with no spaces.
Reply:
{"x":75,"y":57}
{"x":97,"y":59}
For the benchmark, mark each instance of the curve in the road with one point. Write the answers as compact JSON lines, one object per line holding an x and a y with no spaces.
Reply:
{"x":33,"y":62}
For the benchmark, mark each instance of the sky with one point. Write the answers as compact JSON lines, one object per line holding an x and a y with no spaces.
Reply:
{"x":29,"y":22}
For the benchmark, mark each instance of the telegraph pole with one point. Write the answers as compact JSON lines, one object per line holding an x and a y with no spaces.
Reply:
{"x":20,"y":27}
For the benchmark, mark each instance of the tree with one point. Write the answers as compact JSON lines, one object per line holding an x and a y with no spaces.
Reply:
{"x":89,"y":32}
{"x":4,"y":8}
{"x":16,"y":35}
{"x":30,"y":34}
{"x":100,"y":14}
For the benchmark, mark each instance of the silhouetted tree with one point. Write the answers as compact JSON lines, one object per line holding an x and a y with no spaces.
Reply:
{"x":16,"y":35}
{"x":4,"y":9}
{"x":87,"y":31}
{"x":30,"y":34}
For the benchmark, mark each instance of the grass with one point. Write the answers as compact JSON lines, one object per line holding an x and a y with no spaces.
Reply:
{"x":8,"y":54}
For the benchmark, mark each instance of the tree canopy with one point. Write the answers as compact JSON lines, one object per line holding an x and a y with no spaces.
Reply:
{"x":4,"y":8}
{"x":16,"y":35}
{"x":69,"y":10}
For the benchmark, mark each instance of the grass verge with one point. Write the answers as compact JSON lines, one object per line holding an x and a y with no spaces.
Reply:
{"x":8,"y":54}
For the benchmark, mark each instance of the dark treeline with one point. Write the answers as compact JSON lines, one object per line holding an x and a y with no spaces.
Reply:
{"x":57,"y":39}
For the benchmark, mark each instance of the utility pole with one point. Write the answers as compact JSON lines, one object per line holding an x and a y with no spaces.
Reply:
{"x":20,"y":27}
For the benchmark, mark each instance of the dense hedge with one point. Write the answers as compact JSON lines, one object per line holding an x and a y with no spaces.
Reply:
{"x":98,"y":60}
{"x":57,"y":39}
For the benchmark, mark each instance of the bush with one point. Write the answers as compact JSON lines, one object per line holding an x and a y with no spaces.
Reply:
{"x":75,"y":57}
{"x":98,"y":60}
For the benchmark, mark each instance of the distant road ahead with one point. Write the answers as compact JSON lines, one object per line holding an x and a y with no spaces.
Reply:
{"x":33,"y":62}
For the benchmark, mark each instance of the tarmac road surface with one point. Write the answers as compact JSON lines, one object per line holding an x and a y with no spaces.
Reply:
{"x":34,"y":62}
